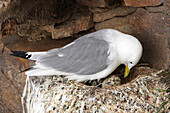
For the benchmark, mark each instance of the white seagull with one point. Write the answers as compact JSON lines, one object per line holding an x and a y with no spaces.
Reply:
{"x":92,"y":56}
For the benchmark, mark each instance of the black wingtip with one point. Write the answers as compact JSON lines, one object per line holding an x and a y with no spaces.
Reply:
{"x":26,"y":69}
{"x":21,"y":54}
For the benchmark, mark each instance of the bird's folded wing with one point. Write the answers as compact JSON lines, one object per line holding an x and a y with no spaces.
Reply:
{"x":82,"y":57}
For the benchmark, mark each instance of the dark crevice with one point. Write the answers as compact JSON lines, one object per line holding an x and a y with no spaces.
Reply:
{"x":162,"y":4}
{"x":113,"y":2}
{"x":144,"y":8}
{"x":58,"y":24}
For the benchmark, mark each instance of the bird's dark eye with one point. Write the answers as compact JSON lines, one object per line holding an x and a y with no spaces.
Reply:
{"x":131,"y":62}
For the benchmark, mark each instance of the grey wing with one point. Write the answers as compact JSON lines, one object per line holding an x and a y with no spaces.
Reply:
{"x":85,"y":56}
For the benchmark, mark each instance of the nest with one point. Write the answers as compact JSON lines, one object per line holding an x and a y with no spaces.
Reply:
{"x":55,"y":94}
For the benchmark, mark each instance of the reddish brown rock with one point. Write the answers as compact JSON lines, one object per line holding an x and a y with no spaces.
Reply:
{"x":16,"y":43}
{"x":8,"y":27}
{"x":92,"y":3}
{"x":99,"y":3}
{"x":142,"y":3}
{"x":11,"y":82}
{"x":10,"y":98}
{"x":168,"y":12}
{"x":167,"y":21}
{"x":119,"y":23}
{"x":4,"y":4}
{"x":1,"y":47}
{"x":30,"y":18}
{"x":158,"y":9}
{"x":80,"y":21}
{"x":98,"y":9}
{"x":151,"y":30}
{"x":0,"y":35}
{"x":119,"y":11}
{"x":167,"y":18}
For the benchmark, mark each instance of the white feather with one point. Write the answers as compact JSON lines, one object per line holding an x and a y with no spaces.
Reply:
{"x":35,"y":55}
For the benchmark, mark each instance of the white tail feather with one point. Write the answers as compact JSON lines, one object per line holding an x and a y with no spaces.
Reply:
{"x":42,"y":72}
{"x":39,"y":72}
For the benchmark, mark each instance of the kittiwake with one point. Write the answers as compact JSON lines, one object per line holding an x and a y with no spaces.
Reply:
{"x":92,"y":56}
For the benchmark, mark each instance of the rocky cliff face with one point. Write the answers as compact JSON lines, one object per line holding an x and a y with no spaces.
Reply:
{"x":147,"y":20}
{"x":61,"y":20}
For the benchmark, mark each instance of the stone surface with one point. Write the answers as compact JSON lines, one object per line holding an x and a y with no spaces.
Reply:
{"x":8,"y":27}
{"x":80,"y":21}
{"x":167,"y":18}
{"x":8,"y":94}
{"x":30,"y":18}
{"x":158,"y":9}
{"x":119,"y":11}
{"x":4,"y":4}
{"x":142,"y":3}
{"x":54,"y":11}
{"x":56,"y":94}
{"x":99,"y":3}
{"x":92,"y":3}
{"x":167,"y":21}
{"x":150,"y":29}
{"x":1,"y":46}
{"x":16,"y":43}
{"x":167,"y":10}
{"x":119,"y":23}
{"x":32,"y":33}
{"x":11,"y":82}
{"x":97,"y":9}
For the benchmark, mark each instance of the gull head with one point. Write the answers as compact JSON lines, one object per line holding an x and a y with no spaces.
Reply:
{"x":130,"y":51}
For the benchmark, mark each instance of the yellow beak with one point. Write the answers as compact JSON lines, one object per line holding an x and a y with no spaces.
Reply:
{"x":126,"y":71}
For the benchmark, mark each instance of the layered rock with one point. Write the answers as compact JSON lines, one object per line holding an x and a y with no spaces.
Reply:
{"x":158,"y":9}
{"x":12,"y":81}
{"x":142,"y":3}
{"x":30,"y":18}
{"x":119,"y":23}
{"x":150,"y":28}
{"x":80,"y":21}
{"x":92,"y":3}
{"x":115,"y":12}
{"x":99,"y":3}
